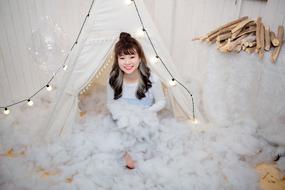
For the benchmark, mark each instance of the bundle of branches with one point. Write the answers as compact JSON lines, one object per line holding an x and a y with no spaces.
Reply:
{"x":248,"y":35}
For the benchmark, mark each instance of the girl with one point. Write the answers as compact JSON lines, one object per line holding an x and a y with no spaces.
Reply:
{"x":131,"y":81}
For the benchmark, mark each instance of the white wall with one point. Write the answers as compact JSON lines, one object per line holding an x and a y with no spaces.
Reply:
{"x":181,"y":20}
{"x":231,"y":87}
{"x":225,"y":87}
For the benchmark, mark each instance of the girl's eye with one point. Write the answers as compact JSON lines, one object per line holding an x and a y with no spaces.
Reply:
{"x":121,"y":58}
{"x":132,"y":57}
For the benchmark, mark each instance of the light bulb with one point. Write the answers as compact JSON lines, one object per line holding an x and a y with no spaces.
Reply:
{"x":172,"y":82}
{"x":49,"y":87}
{"x":128,"y":2}
{"x":140,"y":33}
{"x":154,"y":60}
{"x":195,"y":121}
{"x":6,"y":111}
{"x":64,"y":67}
{"x":30,"y":102}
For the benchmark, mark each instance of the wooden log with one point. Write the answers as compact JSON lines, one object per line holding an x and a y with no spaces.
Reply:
{"x":212,"y":37}
{"x":250,"y":24}
{"x":258,"y":21}
{"x":246,"y":44}
{"x":197,"y":38}
{"x":236,"y":33}
{"x":247,"y":40}
{"x":251,"y":44}
{"x":220,"y":43}
{"x":224,"y":36}
{"x":224,"y":46}
{"x":250,"y":49}
{"x":267,"y":39}
{"x":233,"y":44}
{"x":237,"y":48}
{"x":273,"y":39}
{"x":276,"y":51}
{"x":234,"y":22}
{"x":241,"y":25}
{"x":251,"y":29}
{"x":262,"y":37}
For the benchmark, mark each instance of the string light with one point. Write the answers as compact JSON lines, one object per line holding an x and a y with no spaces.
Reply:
{"x":6,"y":111}
{"x":49,"y":87}
{"x":140,"y":32}
{"x":30,"y":102}
{"x":128,"y":2}
{"x":195,"y":121}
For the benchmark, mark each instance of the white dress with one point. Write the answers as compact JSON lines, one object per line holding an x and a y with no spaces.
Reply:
{"x":138,"y":129}
{"x":154,"y":100}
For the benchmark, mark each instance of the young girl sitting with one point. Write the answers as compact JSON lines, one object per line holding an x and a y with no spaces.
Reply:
{"x":132,"y":82}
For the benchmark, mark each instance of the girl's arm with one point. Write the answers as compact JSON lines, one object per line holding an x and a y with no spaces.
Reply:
{"x":159,"y":98}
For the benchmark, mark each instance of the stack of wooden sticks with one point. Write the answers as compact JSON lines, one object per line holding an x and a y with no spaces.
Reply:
{"x":248,"y":35}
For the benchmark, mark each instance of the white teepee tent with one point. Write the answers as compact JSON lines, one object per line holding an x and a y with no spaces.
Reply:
{"x":103,"y":25}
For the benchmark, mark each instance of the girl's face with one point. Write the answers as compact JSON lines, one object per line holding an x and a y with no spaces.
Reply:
{"x":129,"y":63}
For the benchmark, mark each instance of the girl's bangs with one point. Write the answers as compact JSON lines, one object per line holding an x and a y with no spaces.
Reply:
{"x":128,"y":51}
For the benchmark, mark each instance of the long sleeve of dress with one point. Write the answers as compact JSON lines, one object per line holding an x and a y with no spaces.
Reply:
{"x":159,"y":98}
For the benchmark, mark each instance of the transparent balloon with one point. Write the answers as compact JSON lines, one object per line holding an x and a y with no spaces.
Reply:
{"x":48,"y":45}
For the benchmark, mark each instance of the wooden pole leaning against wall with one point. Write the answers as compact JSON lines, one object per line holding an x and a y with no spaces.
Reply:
{"x":261,"y":40}
{"x":227,"y":25}
{"x":273,"y":38}
{"x":276,"y":51}
{"x":267,"y":39}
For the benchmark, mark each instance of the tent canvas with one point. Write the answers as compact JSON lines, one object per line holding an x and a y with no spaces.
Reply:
{"x":93,"y":50}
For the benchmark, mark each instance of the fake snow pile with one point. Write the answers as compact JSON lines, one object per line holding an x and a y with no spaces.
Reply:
{"x":203,"y":156}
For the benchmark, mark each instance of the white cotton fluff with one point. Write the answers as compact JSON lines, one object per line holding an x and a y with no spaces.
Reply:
{"x":181,"y":156}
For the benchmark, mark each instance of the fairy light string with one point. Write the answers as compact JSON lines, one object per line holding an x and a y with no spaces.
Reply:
{"x":64,"y":66}
{"x":158,"y":57}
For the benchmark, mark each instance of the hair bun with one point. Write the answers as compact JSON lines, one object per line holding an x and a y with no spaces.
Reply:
{"x":124,"y":36}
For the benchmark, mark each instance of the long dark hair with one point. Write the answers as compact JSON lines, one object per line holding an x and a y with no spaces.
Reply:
{"x":128,"y":45}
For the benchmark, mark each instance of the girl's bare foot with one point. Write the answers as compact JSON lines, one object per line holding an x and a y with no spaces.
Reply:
{"x":130,"y":163}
